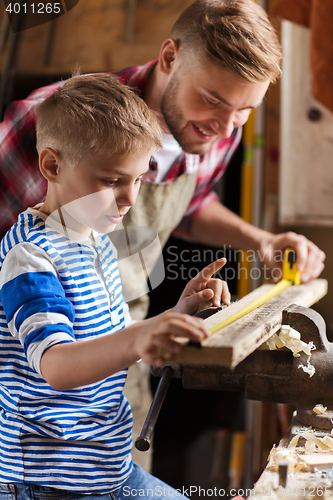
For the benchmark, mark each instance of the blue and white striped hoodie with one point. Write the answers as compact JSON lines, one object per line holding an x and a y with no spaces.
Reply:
{"x":56,"y":290}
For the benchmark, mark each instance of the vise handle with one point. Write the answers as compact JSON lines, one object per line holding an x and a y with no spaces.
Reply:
{"x":143,"y":442}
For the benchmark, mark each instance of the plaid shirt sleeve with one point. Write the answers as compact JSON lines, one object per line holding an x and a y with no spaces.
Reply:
{"x":22,"y":184}
{"x":212,"y":167}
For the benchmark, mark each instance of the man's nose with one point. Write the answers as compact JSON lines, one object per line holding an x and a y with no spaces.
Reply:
{"x":223,"y":124}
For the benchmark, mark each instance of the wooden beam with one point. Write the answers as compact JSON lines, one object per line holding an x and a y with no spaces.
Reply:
{"x":233,"y":343}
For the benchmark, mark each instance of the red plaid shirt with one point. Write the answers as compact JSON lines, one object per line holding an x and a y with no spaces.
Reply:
{"x":22,"y":185}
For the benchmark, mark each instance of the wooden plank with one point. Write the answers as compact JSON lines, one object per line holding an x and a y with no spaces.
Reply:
{"x":318,"y":461}
{"x":233,"y":343}
{"x":306,"y":145}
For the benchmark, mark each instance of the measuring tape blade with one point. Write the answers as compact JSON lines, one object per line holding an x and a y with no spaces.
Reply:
{"x":275,"y":290}
{"x":290,"y":276}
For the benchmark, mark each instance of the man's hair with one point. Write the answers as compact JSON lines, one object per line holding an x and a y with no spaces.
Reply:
{"x":96,"y":114}
{"x":236,"y":34}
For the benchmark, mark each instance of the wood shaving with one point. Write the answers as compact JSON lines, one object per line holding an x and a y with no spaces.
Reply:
{"x":310,"y":369}
{"x":294,"y":441}
{"x":278,"y":454}
{"x":323,"y":444}
{"x":328,"y":441}
{"x":320,"y":409}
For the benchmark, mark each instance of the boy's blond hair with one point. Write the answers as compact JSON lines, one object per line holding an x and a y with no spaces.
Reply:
{"x":96,"y":114}
{"x":236,"y":34}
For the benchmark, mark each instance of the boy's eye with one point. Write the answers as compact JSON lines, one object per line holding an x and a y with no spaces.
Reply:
{"x":110,"y":183}
{"x":138,"y":180}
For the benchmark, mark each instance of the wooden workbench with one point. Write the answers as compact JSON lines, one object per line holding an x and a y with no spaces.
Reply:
{"x":309,"y":474}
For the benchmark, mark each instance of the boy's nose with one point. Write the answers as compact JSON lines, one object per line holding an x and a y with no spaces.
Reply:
{"x":127,"y":197}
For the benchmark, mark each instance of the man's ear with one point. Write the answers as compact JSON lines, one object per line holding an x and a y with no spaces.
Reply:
{"x":49,"y":164}
{"x":169,"y":54}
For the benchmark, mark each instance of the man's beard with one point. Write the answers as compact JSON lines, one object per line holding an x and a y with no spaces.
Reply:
{"x":175,"y":120}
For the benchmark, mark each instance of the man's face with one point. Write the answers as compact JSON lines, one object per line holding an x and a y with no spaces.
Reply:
{"x":99,"y":191}
{"x":205,"y":104}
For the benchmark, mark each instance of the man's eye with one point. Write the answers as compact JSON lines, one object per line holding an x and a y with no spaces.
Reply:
{"x":209,"y":101}
{"x":138,"y":180}
{"x":110,"y":183}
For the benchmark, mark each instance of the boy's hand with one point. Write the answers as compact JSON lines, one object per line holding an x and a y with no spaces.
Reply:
{"x":204,"y":291}
{"x":165,"y":336}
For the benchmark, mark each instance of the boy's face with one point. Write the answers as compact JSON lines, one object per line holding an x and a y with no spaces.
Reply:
{"x":99,"y":191}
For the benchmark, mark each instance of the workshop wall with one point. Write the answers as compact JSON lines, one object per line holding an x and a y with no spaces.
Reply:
{"x":98,"y":35}
{"x":318,"y":230}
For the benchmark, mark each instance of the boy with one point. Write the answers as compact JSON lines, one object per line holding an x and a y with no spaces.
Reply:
{"x":64,"y":422}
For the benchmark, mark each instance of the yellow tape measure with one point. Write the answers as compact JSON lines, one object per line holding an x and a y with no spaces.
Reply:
{"x":290,"y":276}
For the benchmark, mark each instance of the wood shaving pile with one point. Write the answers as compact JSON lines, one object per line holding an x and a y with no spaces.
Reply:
{"x":293,"y":454}
{"x":291,"y":338}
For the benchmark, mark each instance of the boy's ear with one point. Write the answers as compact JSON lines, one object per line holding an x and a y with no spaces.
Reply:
{"x":49,"y":164}
{"x":168,"y":55}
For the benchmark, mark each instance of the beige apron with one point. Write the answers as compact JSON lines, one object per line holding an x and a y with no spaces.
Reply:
{"x":158,"y":210}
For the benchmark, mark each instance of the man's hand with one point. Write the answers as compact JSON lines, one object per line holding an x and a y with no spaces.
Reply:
{"x":204,"y":291}
{"x":310,"y":259}
{"x":218,"y":226}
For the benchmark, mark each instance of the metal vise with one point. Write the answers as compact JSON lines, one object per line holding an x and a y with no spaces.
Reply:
{"x":265,"y":376}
